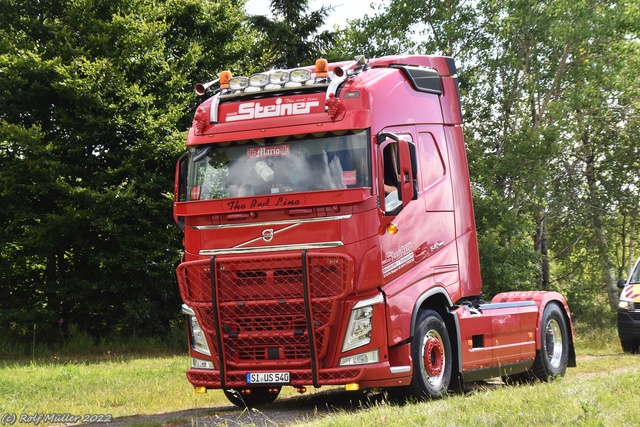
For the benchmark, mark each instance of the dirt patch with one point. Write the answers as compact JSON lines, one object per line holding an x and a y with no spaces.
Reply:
{"x":283,"y":412}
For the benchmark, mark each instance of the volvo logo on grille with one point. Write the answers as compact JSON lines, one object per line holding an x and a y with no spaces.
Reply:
{"x":267,"y":234}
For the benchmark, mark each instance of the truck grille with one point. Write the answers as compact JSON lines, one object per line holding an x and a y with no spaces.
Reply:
{"x":263,"y":308}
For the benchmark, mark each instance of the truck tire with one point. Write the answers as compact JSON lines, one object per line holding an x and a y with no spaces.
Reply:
{"x":552,"y":358}
{"x":432,"y":357}
{"x":259,"y":396}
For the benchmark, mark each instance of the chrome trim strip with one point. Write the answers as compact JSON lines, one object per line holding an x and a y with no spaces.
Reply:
{"x":378,"y":299}
{"x":257,"y":239}
{"x":400,"y":369}
{"x":297,"y":247}
{"x":187,"y":310}
{"x":333,"y":86}
{"x":213,"y":113}
{"x":268,"y":223}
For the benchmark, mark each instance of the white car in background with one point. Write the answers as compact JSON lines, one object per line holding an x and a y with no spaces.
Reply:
{"x":629,"y":312}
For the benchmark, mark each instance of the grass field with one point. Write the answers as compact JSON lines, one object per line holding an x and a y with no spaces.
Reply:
{"x":602,"y":391}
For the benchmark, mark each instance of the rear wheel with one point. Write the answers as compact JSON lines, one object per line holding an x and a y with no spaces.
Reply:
{"x":431,"y":353}
{"x":551,"y":361}
{"x":250,"y":397}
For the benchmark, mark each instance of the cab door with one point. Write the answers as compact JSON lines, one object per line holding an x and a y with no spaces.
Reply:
{"x":398,"y":204}
{"x":410,"y":236}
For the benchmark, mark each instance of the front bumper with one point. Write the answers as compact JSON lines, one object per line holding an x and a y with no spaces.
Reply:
{"x":212,"y":380}
{"x":629,"y":325}
{"x":370,"y":375}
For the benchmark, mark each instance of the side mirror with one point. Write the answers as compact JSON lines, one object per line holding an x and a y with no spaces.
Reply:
{"x":622,"y":283}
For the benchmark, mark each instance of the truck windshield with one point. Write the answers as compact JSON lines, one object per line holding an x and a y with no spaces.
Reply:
{"x":635,"y":277}
{"x":296,"y":163}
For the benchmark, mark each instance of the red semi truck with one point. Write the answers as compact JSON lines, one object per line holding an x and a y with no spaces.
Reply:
{"x":329,"y":239}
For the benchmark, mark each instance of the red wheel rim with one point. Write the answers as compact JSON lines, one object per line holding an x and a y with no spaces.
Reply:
{"x":433,"y":357}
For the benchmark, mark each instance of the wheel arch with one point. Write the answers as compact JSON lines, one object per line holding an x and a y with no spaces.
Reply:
{"x":438,"y":300}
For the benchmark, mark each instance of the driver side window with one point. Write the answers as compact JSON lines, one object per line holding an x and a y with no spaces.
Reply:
{"x":398,"y":172}
{"x":391,"y":168}
{"x":391,"y":177}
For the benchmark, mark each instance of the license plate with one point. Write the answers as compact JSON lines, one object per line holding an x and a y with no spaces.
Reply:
{"x":268,"y":378}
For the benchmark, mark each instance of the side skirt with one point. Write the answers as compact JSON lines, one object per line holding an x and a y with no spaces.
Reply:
{"x":497,"y":371}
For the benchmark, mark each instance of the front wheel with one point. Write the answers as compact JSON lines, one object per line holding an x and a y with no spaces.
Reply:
{"x":248,"y":398}
{"x":431,"y":353}
{"x":551,"y":361}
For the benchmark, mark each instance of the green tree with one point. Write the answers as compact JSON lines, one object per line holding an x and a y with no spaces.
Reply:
{"x":551,"y":81}
{"x":96,"y":95}
{"x":550,"y":105}
{"x":293,"y":37}
{"x":460,"y":29}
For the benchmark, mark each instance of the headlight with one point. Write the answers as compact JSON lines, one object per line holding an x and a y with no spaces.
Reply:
{"x":625,"y":305}
{"x":360,"y":324}
{"x":196,"y":334}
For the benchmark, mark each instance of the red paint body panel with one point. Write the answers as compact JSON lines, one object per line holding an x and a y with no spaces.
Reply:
{"x":273,"y":279}
{"x":507,"y":336}
{"x":542,"y":299}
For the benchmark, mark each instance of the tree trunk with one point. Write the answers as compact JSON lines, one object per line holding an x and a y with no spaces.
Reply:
{"x":541,"y":246}
{"x":607,"y":266}
{"x":632,"y":243}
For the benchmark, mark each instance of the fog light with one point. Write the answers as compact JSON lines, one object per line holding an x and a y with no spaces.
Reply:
{"x":201,"y":390}
{"x":201,"y":364}
{"x":361,"y":359}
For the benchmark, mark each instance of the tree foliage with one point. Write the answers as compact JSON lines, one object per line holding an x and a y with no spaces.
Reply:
{"x":550,"y":103}
{"x":293,"y":37}
{"x":96,"y":98}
